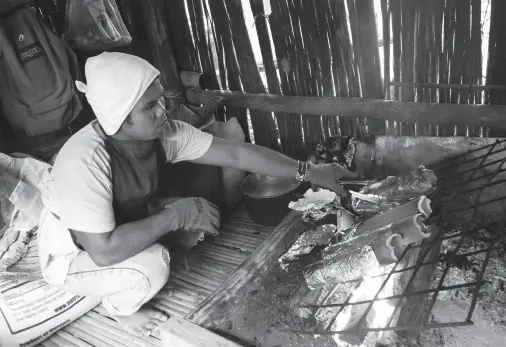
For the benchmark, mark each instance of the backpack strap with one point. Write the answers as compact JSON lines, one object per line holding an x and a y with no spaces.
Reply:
{"x":35,"y":141}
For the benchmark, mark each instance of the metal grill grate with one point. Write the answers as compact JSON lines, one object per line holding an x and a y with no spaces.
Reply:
{"x":468,"y":209}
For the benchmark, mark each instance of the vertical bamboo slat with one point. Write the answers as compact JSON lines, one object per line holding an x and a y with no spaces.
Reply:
{"x":183,"y":41}
{"x":304,"y":11}
{"x":273,"y":85}
{"x":331,"y":124}
{"x":263,"y":123}
{"x":396,"y":35}
{"x":348,"y":127}
{"x":434,"y":17}
{"x":206,"y":61}
{"x":369,"y":52}
{"x":224,"y":33}
{"x":160,"y":43}
{"x":385,"y":12}
{"x":279,"y":23}
{"x":476,"y":45}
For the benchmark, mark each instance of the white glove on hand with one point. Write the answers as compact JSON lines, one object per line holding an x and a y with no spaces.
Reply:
{"x":196,"y":214}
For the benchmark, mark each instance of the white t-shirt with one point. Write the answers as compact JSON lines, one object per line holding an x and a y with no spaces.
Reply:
{"x":80,"y":191}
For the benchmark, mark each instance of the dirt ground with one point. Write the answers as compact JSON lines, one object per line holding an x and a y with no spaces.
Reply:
{"x":489,"y":318}
{"x":262,"y":311}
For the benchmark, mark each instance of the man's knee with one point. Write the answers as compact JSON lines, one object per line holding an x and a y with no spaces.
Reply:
{"x":155,"y":264}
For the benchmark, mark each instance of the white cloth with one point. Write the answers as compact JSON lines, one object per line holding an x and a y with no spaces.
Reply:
{"x":115,"y":83}
{"x":80,"y":191}
{"x":313,"y":199}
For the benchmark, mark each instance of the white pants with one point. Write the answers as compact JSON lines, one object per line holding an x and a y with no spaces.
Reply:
{"x":124,"y":287}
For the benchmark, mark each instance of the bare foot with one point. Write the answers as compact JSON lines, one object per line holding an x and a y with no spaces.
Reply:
{"x":142,"y":322}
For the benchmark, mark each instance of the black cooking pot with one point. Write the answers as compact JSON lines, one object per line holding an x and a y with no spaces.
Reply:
{"x":267,"y":198}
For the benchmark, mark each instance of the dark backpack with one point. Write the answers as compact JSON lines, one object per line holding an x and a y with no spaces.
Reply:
{"x":37,"y":73}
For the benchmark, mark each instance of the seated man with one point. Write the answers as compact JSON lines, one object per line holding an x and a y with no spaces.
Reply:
{"x":100,"y":238}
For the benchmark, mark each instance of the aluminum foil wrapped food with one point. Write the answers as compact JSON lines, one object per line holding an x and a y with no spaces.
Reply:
{"x":347,"y":260}
{"x":320,"y":236}
{"x":336,"y":149}
{"x":322,"y":214}
{"x":395,"y":190}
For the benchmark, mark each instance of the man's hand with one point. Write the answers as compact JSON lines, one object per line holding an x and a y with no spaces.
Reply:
{"x":327,"y":175}
{"x":196,"y":214}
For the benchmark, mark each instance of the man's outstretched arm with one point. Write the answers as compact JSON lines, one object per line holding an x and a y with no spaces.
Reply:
{"x":264,"y":161}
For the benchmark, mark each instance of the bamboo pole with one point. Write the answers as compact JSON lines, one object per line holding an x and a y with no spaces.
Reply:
{"x":114,"y":329}
{"x":432,"y":17}
{"x":180,"y":293}
{"x":84,"y":332}
{"x":198,"y":257}
{"x":228,"y":242}
{"x":408,"y":26}
{"x":203,"y":268}
{"x":424,"y":113}
{"x":92,"y":326}
{"x":385,"y":12}
{"x":298,"y":62}
{"x":249,"y":237}
{"x":248,"y":226}
{"x":181,"y":298}
{"x":221,"y":254}
{"x":236,"y":242}
{"x":438,"y":46}
{"x":204,"y":265}
{"x":497,"y":50}
{"x":396,"y":38}
{"x":216,"y":256}
{"x":279,"y":23}
{"x":228,"y":54}
{"x":219,"y":262}
{"x":180,"y":306}
{"x":59,"y":341}
{"x":49,"y":343}
{"x":340,"y":81}
{"x":477,"y":42}
{"x":261,"y":25}
{"x":190,"y":286}
{"x":331,"y":125}
{"x":183,"y":41}
{"x":343,"y":35}
{"x":171,"y":311}
{"x":160,"y":44}
{"x":395,"y":8}
{"x":206,"y":60}
{"x":226,"y":252}
{"x":196,"y":278}
{"x":73,"y":339}
{"x":233,"y":236}
{"x":262,"y":122}
{"x":305,"y":11}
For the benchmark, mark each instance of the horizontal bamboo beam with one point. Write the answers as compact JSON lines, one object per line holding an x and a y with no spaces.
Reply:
{"x":446,"y":86}
{"x":493,"y":116}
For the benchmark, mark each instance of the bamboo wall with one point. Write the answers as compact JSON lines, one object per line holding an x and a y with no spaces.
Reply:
{"x":307,"y":48}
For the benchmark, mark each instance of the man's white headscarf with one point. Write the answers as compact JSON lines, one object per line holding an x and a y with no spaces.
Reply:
{"x":116,"y":82}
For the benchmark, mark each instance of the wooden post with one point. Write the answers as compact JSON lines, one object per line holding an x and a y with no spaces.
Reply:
{"x":410,"y":112}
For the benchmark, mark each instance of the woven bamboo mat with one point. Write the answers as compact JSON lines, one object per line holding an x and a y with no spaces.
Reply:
{"x":208,"y":265}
